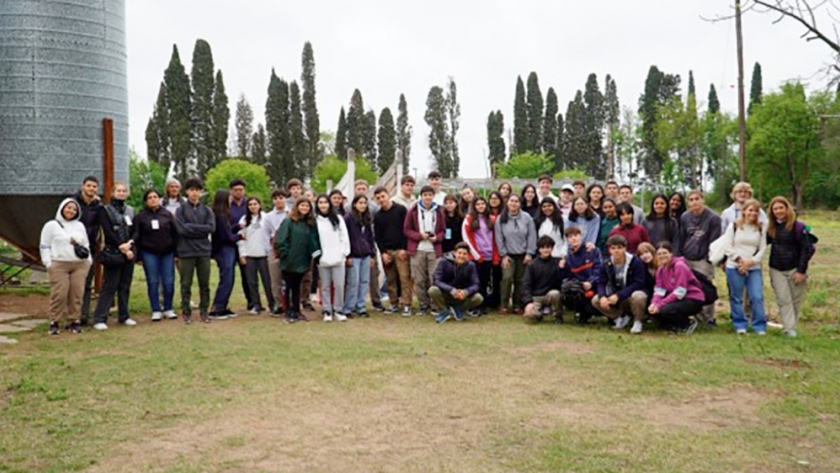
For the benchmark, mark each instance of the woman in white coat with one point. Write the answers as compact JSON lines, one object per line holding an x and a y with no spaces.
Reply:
{"x":335,"y":247}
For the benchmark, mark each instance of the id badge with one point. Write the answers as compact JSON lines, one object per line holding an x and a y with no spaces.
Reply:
{"x":155,"y":224}
{"x":448,"y":234}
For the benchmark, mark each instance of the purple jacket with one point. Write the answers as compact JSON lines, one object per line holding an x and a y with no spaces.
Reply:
{"x":676,"y":282}
{"x":361,"y":237}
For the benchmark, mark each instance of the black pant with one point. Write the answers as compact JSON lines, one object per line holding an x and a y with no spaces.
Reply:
{"x":292,"y":290}
{"x":485,"y":268}
{"x":494,"y":299}
{"x":676,"y":314}
{"x":116,"y":282}
{"x":254,"y":267}
{"x":199,"y":265}
{"x":243,"y":275}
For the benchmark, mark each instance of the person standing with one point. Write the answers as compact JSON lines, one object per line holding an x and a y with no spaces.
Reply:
{"x":454,"y":220}
{"x":424,"y":227}
{"x":435,"y":180}
{"x":595,"y":196}
{"x":361,"y":186}
{"x":634,"y":233}
{"x":611,"y":190}
{"x":661,"y":226}
{"x":583,"y":217}
{"x":118,"y":258}
{"x":89,"y":206}
{"x":254,"y":248}
{"x":294,"y":189}
{"x":699,"y":227}
{"x":790,"y":252}
{"x":741,"y":193}
{"x":156,"y":240}
{"x":66,"y":266}
{"x":238,"y":210}
{"x":405,"y":196}
{"x":516,"y":239}
{"x":454,"y":285}
{"x":477,"y":232}
{"x":567,"y":195}
{"x":392,"y":242}
{"x":297,"y":244}
{"x":225,"y":238}
{"x":542,"y":282}
{"x":545,"y":182}
{"x":621,"y":287}
{"x":744,"y":251}
{"x":359,"y":223}
{"x":530,"y":201}
{"x":550,"y":223}
{"x":172,"y":195}
{"x":608,"y":222}
{"x":467,"y":198}
{"x":335,"y":248}
{"x":625,"y":194}
{"x":272,"y":222}
{"x":195,"y":223}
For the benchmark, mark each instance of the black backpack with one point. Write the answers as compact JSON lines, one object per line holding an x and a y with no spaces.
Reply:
{"x":710,"y":294}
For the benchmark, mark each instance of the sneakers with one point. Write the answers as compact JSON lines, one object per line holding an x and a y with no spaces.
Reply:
{"x":621,"y":322}
{"x":157,"y":316}
{"x":277,"y":312}
{"x":300,"y":317}
{"x":442,"y":317}
{"x":637,"y":327}
{"x":392,"y":310}
{"x":761,"y":332}
{"x":205,"y":318}
{"x":100,"y":326}
{"x":379,"y":307}
{"x":474,"y":312}
{"x":691,"y":327}
{"x":406,"y":311}
{"x":170,"y":314}
{"x":187,"y":318}
{"x":328,"y":317}
{"x":255,"y":311}
{"x":459,"y":314}
{"x":790,"y":333}
{"x":422,"y":312}
{"x":363,"y":314}
{"x":75,"y":327}
{"x":741,"y":331}
{"x":216,"y":316}
{"x":54,"y":330}
{"x":340,"y":317}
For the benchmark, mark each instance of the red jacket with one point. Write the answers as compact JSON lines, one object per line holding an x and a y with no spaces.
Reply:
{"x":469,"y":238}
{"x":411,"y":228}
{"x":635,"y":235}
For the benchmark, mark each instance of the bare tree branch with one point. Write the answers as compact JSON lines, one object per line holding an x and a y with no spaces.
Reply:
{"x":799,"y":15}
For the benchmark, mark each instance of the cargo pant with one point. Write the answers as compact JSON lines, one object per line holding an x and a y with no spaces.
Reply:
{"x":636,"y":304}
{"x":423,"y":264}
{"x":67,"y":287}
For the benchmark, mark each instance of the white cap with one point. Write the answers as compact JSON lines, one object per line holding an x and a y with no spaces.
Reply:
{"x":568,"y":187}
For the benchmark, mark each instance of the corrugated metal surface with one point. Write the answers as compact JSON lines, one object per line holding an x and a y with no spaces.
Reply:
{"x":62,"y":70}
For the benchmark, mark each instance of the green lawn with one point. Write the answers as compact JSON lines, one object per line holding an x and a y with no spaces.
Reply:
{"x":394,"y":394}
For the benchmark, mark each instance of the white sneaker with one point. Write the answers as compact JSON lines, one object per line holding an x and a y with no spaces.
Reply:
{"x":157,"y":316}
{"x":170,"y":314}
{"x":340,"y":317}
{"x":328,"y":318}
{"x":637,"y":327}
{"x":100,"y":326}
{"x":761,"y":332}
{"x":621,"y":322}
{"x":253,"y":312}
{"x":741,"y":331}
{"x":129,"y":322}
{"x":790,"y":333}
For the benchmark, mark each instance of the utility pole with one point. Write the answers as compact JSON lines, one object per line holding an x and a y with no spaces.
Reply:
{"x":742,"y":122}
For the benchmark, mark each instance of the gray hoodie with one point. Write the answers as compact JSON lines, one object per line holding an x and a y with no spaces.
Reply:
{"x":516,"y":236}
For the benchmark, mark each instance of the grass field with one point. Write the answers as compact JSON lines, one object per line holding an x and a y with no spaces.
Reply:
{"x":394,"y":394}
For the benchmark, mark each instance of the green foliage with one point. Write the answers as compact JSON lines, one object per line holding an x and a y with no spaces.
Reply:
{"x":755,"y":88}
{"x":368,"y":150}
{"x":660,"y":89}
{"x":571,"y":175}
{"x":333,"y":169}
{"x":300,"y":145}
{"x":549,"y":137}
{"x":692,"y":91}
{"x":404,"y":132}
{"x":341,"y":136}
{"x":244,"y":124}
{"x":387,"y":140}
{"x":311,"y":121}
{"x":560,"y":139}
{"x":258,"y":145}
{"x":525,"y":166}
{"x":714,"y":103}
{"x":143,"y":175}
{"x":221,"y":120}
{"x":178,"y":129}
{"x":612,"y":120}
{"x":520,"y":119}
{"x":593,"y":155}
{"x":495,"y":141}
{"x":157,"y":131}
{"x":574,"y":140}
{"x":203,"y":84}
{"x":453,"y":111}
{"x":439,"y":140}
{"x":679,"y":135}
{"x":254,"y":175}
{"x":355,"y":124}
{"x":277,"y":129}
{"x":535,"y":115}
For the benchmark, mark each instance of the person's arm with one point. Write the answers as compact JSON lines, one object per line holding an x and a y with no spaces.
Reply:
{"x":527,"y":297}
{"x":378,"y":227}
{"x":592,"y":230}
{"x":645,"y":234}
{"x":675,"y":236}
{"x":531,"y":246}
{"x":281,"y":239}
{"x":499,"y":235}
{"x":682,"y":279}
{"x":714,"y":228}
{"x":467,"y":235}
{"x":343,"y":237}
{"x":440,"y":226}
{"x":438,"y":279}
{"x":637,"y":271}
{"x":135,"y":232}
{"x":601,"y":282}
{"x":762,"y":244}
{"x":314,"y":242}
{"x":410,"y":228}
{"x":597,"y":264}
{"x":45,"y":246}
{"x":111,"y":237}
{"x":806,"y":247}
{"x":194,"y":229}
{"x":729,"y":250}
{"x":475,"y":284}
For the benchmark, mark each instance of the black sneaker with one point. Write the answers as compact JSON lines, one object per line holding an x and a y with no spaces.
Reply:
{"x":54,"y":330}
{"x":691,"y":328}
{"x":277,"y":312}
{"x":308,"y":306}
{"x":205,"y":318}
{"x":392,"y":310}
{"x":362,"y":314}
{"x":75,"y":327}
{"x":379,"y":307}
{"x":187,"y":318}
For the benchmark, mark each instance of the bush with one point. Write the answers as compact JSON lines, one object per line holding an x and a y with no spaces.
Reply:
{"x":571,"y":175}
{"x":332,"y":168}
{"x":525,"y":166}
{"x":254,"y":175}
{"x":143,"y":175}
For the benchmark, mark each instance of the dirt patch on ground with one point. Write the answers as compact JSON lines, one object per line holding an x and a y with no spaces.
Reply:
{"x":568,"y":346}
{"x":31,"y":304}
{"x":780,"y":363}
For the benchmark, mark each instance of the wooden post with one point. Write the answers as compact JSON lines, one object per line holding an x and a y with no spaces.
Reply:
{"x":108,"y":178}
{"x":742,"y":120}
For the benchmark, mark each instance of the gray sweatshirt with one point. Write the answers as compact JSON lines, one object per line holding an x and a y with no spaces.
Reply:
{"x":517,"y":236}
{"x":697,"y":232}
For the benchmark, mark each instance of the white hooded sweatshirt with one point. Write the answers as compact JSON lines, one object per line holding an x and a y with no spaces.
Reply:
{"x":335,"y":242}
{"x":55,"y":241}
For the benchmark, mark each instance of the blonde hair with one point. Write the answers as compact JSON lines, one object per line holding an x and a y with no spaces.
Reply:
{"x":741,"y":186}
{"x":743,"y":220}
{"x":790,"y":218}
{"x":120,"y":184}
{"x":647,"y":247}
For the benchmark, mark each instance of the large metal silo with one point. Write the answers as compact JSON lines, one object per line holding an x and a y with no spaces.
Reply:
{"x":62,"y":71}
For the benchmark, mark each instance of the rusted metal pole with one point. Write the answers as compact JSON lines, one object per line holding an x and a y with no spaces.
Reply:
{"x":108,"y":178}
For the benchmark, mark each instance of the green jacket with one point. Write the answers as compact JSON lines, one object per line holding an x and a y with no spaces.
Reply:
{"x":607,"y":224}
{"x":297,"y":243}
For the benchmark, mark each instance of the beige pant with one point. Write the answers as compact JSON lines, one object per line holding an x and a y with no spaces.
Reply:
{"x":67,"y":286}
{"x":442,"y":300}
{"x":423,"y":265}
{"x":789,"y":296}
{"x":276,"y":280}
{"x":398,"y":275}
{"x":636,"y":304}
{"x":552,"y":298}
{"x":705,"y":268}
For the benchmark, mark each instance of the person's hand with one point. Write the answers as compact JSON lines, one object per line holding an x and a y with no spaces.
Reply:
{"x":460,"y":294}
{"x":506,"y":262}
{"x":349,"y":262}
{"x":587,"y":285}
{"x":242,"y":260}
{"x":244,"y":236}
{"x":372,"y":263}
{"x":126,"y":247}
{"x":432,"y":238}
{"x":529,"y":309}
{"x":527,"y":259}
{"x":613,"y":299}
{"x":424,"y":236}
{"x":562,"y":263}
{"x":402,"y":255}
{"x":129,"y":255}
{"x":799,"y":278}
{"x":590,"y":246}
{"x":653,"y":309}
{"x":604,"y":303}
{"x":178,"y":263}
{"x":386,"y":259}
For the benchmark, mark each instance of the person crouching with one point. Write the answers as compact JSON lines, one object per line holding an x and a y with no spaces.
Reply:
{"x":541,"y":284}
{"x":455,"y":285}
{"x":621,"y":287}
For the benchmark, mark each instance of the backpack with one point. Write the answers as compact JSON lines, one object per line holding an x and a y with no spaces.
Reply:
{"x":710,"y":294}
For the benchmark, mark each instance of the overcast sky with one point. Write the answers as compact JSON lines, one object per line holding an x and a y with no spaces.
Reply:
{"x":388,"y":47}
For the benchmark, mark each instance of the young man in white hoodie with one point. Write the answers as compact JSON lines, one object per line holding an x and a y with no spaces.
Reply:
{"x":424,"y":228}
{"x":66,"y":270}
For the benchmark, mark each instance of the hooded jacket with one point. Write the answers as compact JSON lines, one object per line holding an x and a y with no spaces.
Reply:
{"x":89,"y":216}
{"x":159,"y":238}
{"x":449,"y":276}
{"x":412,"y":227}
{"x":334,"y":241}
{"x":541,"y":276}
{"x":470,"y":237}
{"x":634,"y":278}
{"x":584,"y":265}
{"x":361,"y":237}
{"x":55,"y":242}
{"x":517,"y":236}
{"x":676,"y":282}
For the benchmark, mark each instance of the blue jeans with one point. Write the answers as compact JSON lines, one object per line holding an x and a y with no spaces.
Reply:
{"x":755,"y":290}
{"x":226,"y":259}
{"x":159,"y":269}
{"x":358,"y":282}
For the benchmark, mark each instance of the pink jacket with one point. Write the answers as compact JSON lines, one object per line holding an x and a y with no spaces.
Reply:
{"x":676,"y":282}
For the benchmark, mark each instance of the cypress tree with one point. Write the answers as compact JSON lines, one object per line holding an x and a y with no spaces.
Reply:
{"x":559,"y":151}
{"x":244,"y":124}
{"x":178,"y":104}
{"x":520,"y":119}
{"x":436,"y":118}
{"x":300,"y":147}
{"x":755,"y":87}
{"x":535,"y":114}
{"x":203,"y":85}
{"x":221,"y":120}
{"x":277,"y":128}
{"x":369,"y":137}
{"x":157,"y":131}
{"x":575,"y":138}
{"x":549,"y":138}
{"x":594,"y":123}
{"x":495,"y":139}
{"x":258,"y":146}
{"x":311,"y":120}
{"x":653,"y":160}
{"x":714,"y":103}
{"x":341,"y":136}
{"x":387,"y":140}
{"x":691,"y":90}
{"x":453,"y":109}
{"x":612,"y":118}
{"x":355,"y":123}
{"x":403,"y":131}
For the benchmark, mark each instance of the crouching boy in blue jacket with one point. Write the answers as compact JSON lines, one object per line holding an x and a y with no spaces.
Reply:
{"x":455,"y":285}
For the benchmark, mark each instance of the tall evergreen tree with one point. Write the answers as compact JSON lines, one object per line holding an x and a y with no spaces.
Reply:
{"x":755,"y":87}
{"x":369,"y":138}
{"x":203,"y":85}
{"x":453,"y":109}
{"x":157,"y":131}
{"x":660,"y":89}
{"x":178,"y":104}
{"x":559,"y":151}
{"x":221,"y":120}
{"x":612,"y":119}
{"x":549,"y":138}
{"x":535,"y":114}
{"x":355,"y":123}
{"x":594,"y":126}
{"x":692,"y":92}
{"x":495,"y":139}
{"x":244,"y":124}
{"x":714,"y":103}
{"x":300,"y":147}
{"x":312,"y":123}
{"x":341,"y":136}
{"x":520,"y":120}
{"x":436,"y":119}
{"x":404,"y":131}
{"x":258,"y":145}
{"x":277,"y":128}
{"x":387,"y":140}
{"x":575,"y":153}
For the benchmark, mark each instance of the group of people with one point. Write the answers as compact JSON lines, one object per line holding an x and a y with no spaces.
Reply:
{"x":590,"y":250}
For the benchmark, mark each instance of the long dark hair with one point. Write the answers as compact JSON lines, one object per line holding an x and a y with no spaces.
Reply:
{"x":221,"y":204}
{"x":338,"y":210}
{"x":589,"y":191}
{"x":525,"y":203}
{"x":360,"y":219}
{"x":681,"y":210}
{"x":588,"y":215}
{"x":331,"y":213}
{"x":457,"y":206}
{"x":249,"y":217}
{"x":502,"y":201}
{"x":652,"y":214}
{"x":505,"y":214}
{"x":556,"y":215}
{"x":474,"y":215}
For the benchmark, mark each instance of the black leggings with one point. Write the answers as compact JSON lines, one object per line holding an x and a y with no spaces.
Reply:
{"x":495,"y":298}
{"x":292,"y":290}
{"x":676,"y":314}
{"x":485,"y":268}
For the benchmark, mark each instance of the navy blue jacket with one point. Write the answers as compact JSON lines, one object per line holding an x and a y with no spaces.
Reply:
{"x":449,"y":276}
{"x":635,"y":280}
{"x":361,"y":237}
